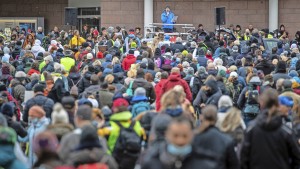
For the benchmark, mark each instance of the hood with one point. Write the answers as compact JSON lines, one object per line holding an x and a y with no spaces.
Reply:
{"x":273,"y":124}
{"x":74,"y":76}
{"x":213,"y":85}
{"x":122,"y":116}
{"x":130,"y":56}
{"x":108,"y":58}
{"x":7,"y":154}
{"x":117,"y":68}
{"x":87,"y":156}
{"x":88,"y":75}
{"x":37,"y":42}
{"x":174,"y":77}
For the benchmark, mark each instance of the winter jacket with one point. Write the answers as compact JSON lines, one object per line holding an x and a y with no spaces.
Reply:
{"x":84,"y":82}
{"x":140,"y":82}
{"x":270,"y":144}
{"x":91,"y":90}
{"x":16,"y":52}
{"x":60,"y":129}
{"x":91,"y":156}
{"x":40,"y":100}
{"x":167,"y":19}
{"x":215,"y":149}
{"x":8,"y":159}
{"x":177,"y":45}
{"x":202,"y":61}
{"x":114,"y":51}
{"x":32,"y":131}
{"x":108,"y":59}
{"x":58,"y":91}
{"x":76,"y":41}
{"x":40,"y":36}
{"x":17,"y":126}
{"x":48,"y":160}
{"x":127,"y":61}
{"x":67,"y":62}
{"x":18,"y":91}
{"x":117,"y":68}
{"x":106,"y":98}
{"x":36,"y":48}
{"x":48,"y":67}
{"x":277,"y":76}
{"x":158,"y":90}
{"x":114,"y":130}
{"x":265,"y":66}
{"x":173,"y":80}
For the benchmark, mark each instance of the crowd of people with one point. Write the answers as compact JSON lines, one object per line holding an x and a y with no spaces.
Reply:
{"x":111,"y":99}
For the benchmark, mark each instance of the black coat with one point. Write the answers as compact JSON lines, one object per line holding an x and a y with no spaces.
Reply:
{"x":39,"y":100}
{"x":73,"y":79}
{"x":177,"y":45}
{"x":49,"y":67}
{"x":215,"y":150}
{"x":265,"y":66}
{"x":84,"y":82}
{"x":19,"y":129}
{"x":270,"y":145}
{"x":58,"y":91}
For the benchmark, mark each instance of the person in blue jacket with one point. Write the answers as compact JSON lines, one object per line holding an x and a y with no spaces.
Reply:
{"x":167,"y":18}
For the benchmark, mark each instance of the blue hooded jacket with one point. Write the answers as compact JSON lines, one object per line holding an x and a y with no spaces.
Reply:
{"x":108,"y":59}
{"x":167,"y":19}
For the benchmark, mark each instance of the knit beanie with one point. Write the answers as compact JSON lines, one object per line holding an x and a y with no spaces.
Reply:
{"x":59,"y":114}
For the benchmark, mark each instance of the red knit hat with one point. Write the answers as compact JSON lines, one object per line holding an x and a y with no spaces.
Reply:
{"x":120,"y":102}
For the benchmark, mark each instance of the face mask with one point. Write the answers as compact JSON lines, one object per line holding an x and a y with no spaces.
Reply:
{"x":33,"y":121}
{"x":179,"y":151}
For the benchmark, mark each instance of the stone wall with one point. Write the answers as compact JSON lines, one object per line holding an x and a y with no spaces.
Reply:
{"x":51,"y":10}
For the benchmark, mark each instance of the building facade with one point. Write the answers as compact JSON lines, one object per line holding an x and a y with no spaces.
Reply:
{"x":133,"y":13}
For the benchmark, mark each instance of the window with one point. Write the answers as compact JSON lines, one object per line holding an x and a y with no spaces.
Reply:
{"x":89,"y":16}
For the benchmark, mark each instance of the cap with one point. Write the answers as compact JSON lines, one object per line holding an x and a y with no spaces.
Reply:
{"x":233,"y":74}
{"x":89,"y":56}
{"x":120,"y":102}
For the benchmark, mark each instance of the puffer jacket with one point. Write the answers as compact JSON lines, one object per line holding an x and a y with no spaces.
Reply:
{"x":8,"y":159}
{"x":48,"y":67}
{"x":84,"y":82}
{"x":150,"y":93}
{"x":39,"y":100}
{"x":158,"y":90}
{"x":19,"y":129}
{"x":127,"y":61}
{"x":108,"y":59}
{"x":91,"y":90}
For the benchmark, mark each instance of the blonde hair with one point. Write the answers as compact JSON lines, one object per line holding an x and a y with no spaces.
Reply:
{"x":131,"y":74}
{"x":109,"y":79}
{"x":97,"y":63}
{"x":166,"y":102}
{"x":115,"y":61}
{"x":232,"y":120}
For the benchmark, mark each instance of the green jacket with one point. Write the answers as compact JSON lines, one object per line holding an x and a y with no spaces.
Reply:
{"x":67,"y":62}
{"x":125,"y":119}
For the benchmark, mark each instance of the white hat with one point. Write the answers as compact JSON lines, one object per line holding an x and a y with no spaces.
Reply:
{"x":225,"y":101}
{"x":94,"y":102}
{"x":59,"y":114}
{"x":49,"y":58}
{"x":89,"y":56}
{"x":233,"y":74}
{"x":136,"y":53}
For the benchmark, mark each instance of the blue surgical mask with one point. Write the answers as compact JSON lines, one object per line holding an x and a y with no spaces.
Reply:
{"x":174,"y":112}
{"x":179,"y":151}
{"x":33,"y":121}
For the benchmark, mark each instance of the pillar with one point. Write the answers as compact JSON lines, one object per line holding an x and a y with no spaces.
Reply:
{"x":273,"y":15}
{"x":148,"y":14}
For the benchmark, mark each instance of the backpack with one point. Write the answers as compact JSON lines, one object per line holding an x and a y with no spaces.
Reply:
{"x":194,"y":86}
{"x":252,"y":105}
{"x":74,"y":88}
{"x":129,"y":91}
{"x":93,"y":166}
{"x":128,"y":146}
{"x":234,"y":91}
{"x":140,"y":107}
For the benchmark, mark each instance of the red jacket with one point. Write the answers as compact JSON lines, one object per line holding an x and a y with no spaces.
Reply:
{"x":32,"y":71}
{"x":158,"y":88}
{"x":128,"y":60}
{"x":173,"y":80}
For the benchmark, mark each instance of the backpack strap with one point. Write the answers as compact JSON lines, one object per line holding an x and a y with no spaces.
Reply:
{"x":72,"y":82}
{"x":131,"y":84}
{"x":78,"y":81}
{"x":132,"y":124}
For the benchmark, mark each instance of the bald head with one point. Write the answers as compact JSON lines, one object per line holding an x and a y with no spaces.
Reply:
{"x":210,"y":66}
